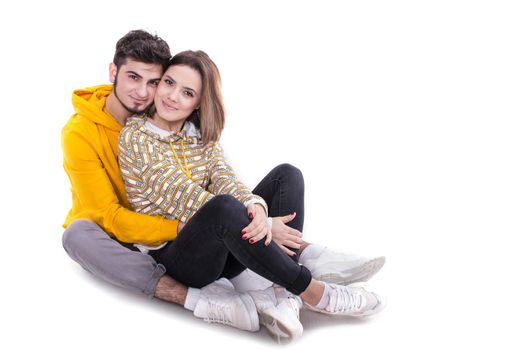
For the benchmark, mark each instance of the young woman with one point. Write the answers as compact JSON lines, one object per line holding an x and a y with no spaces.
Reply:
{"x":173,"y":166}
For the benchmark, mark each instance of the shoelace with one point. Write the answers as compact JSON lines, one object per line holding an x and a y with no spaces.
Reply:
{"x":218,"y":313}
{"x":346,"y":300}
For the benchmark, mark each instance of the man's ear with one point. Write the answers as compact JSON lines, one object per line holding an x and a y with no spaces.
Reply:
{"x":112,"y":72}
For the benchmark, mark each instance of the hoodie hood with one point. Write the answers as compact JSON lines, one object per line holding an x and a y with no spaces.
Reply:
{"x":90,"y":102}
{"x":189,"y":133}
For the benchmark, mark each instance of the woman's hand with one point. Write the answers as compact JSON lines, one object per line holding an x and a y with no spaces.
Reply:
{"x":258,"y":228}
{"x":285,"y":236}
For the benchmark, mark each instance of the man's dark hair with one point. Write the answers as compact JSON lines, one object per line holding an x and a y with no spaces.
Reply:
{"x":142,"y":46}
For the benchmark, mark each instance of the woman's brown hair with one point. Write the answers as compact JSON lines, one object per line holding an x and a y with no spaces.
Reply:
{"x":210,"y":116}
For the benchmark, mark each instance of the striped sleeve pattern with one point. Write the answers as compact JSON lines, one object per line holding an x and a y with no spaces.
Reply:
{"x":224,"y":181}
{"x":155,"y":185}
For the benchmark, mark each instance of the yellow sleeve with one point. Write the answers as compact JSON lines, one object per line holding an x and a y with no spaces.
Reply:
{"x":98,"y":200}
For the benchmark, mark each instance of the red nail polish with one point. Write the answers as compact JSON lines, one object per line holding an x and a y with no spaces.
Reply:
{"x":244,"y":237}
{"x":250,"y":216}
{"x":243,"y":232}
{"x":251,"y":241}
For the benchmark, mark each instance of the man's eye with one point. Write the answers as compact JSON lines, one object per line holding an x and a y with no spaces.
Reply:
{"x":134,"y":77}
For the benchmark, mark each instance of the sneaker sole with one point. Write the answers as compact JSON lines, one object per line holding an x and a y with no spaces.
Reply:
{"x":276,"y":327}
{"x":360,"y":273}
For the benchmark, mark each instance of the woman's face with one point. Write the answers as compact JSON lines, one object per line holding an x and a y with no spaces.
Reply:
{"x":178,"y":94}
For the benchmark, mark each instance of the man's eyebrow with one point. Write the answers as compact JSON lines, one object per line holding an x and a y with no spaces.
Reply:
{"x":134,"y":73}
{"x":185,"y":87}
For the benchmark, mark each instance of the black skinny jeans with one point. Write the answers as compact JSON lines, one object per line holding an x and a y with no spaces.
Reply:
{"x":210,"y":245}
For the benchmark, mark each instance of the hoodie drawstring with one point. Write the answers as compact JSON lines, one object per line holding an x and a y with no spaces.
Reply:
{"x":185,"y":169}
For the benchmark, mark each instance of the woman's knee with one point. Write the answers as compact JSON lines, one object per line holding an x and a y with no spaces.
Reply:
{"x":290,"y":173}
{"x":226,"y":205}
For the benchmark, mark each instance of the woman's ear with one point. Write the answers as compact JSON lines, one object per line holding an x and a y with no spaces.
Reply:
{"x":112,"y":72}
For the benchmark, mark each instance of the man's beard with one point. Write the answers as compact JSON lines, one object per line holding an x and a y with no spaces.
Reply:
{"x":129,"y":109}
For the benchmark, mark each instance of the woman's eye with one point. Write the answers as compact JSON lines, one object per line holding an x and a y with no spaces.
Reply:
{"x":168,"y":82}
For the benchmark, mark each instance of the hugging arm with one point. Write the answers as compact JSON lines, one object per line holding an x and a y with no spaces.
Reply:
{"x":92,"y":186}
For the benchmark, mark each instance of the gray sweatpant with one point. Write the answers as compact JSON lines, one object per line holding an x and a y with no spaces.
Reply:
{"x":95,"y":251}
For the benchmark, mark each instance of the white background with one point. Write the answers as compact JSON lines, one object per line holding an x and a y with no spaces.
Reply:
{"x":406,"y":118}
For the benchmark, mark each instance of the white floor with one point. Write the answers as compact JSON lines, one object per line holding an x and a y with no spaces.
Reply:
{"x":435,"y":302}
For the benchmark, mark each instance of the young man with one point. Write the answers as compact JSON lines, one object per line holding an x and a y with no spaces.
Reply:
{"x":101,"y":229}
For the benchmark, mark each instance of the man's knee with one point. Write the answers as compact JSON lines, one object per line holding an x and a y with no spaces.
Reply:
{"x":76,"y":234}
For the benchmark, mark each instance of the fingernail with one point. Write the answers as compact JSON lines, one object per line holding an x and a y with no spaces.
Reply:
{"x":250,"y":216}
{"x":251,"y":241}
{"x":243,"y":232}
{"x":294,"y":254}
{"x":244,"y":237}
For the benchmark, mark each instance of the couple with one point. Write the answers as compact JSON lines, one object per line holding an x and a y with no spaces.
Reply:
{"x":177,"y":225}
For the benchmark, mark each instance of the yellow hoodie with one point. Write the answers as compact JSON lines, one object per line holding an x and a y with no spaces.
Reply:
{"x":90,"y":146}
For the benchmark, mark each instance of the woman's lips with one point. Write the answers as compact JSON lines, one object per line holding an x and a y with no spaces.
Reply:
{"x":168,"y":106}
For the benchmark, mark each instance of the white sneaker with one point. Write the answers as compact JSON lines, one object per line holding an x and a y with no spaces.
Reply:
{"x":278,"y":312}
{"x":290,"y":304}
{"x":220,"y":303}
{"x":357,"y":300}
{"x":339,"y":268}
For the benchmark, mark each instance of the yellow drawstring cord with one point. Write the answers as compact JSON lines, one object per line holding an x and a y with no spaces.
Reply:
{"x":184,"y":169}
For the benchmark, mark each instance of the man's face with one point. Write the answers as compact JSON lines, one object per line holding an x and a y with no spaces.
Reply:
{"x":134,"y":84}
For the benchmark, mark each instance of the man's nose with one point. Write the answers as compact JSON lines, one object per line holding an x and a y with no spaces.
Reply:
{"x":142,"y":91}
